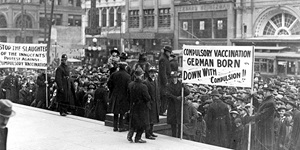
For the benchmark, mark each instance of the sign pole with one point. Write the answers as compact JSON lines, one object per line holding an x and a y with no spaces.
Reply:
{"x":181,"y":114}
{"x":251,"y":101}
{"x":47,"y":103}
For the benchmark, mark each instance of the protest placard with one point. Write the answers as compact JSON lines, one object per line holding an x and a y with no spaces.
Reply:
{"x":218,"y":65}
{"x":14,"y":55}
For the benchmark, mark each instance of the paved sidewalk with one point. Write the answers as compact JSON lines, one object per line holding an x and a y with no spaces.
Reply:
{"x":37,"y":129}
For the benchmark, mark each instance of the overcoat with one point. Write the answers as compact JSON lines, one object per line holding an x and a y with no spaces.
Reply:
{"x":164,"y":71}
{"x":174,"y":105}
{"x":154,"y":93}
{"x":41,"y":90}
{"x":139,"y":104}
{"x":264,"y":125}
{"x":11,"y":85}
{"x":295,"y":137}
{"x":101,"y":99}
{"x":65,"y":89}
{"x":3,"y":138}
{"x":218,"y":124}
{"x":118,"y":96}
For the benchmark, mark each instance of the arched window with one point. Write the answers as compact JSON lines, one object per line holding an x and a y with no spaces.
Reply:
{"x":94,"y":13}
{"x":119,"y":17}
{"x":27,"y":22}
{"x":111,"y":17}
{"x":282,"y":24}
{"x":103,"y":17}
{"x":3,"y":23}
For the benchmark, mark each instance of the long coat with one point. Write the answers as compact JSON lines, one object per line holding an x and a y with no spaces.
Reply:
{"x":118,"y":87}
{"x":174,"y":105}
{"x":164,"y":72}
{"x":41,"y":90}
{"x":218,"y":124}
{"x":11,"y":85}
{"x":154,"y":93}
{"x":264,"y":125}
{"x":140,"y":104}
{"x":3,"y":138}
{"x":101,"y":99}
{"x":295,"y":137}
{"x":65,"y":89}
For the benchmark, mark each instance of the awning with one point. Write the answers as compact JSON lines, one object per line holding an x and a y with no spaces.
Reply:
{"x":144,"y":35}
{"x":278,"y":55}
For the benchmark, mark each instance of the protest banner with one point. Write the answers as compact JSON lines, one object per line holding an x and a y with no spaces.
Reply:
{"x":23,"y":55}
{"x":218,"y":65}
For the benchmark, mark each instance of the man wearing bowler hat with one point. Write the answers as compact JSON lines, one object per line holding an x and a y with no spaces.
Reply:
{"x":163,"y":76}
{"x":65,"y":89}
{"x":5,"y":113}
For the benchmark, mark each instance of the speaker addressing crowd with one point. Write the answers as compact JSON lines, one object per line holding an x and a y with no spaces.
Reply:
{"x":217,"y":115}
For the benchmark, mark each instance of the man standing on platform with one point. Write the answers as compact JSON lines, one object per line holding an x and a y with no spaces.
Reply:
{"x":5,"y":113}
{"x":139,"y":107}
{"x":65,"y":89}
{"x":118,"y":88}
{"x":153,"y":90}
{"x":163,"y":76}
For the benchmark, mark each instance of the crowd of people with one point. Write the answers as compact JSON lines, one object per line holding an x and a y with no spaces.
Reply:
{"x":138,"y":94}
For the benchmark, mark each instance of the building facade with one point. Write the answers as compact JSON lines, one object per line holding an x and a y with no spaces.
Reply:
{"x":110,"y":18}
{"x":150,"y":25}
{"x":274,"y":28}
{"x":26,"y":23}
{"x":204,"y":22}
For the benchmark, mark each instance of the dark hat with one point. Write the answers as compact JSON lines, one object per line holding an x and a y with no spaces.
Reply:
{"x":268,"y":89}
{"x":142,"y":57}
{"x":64,"y":57}
{"x":288,"y":113}
{"x":152,"y":69}
{"x":174,"y":74}
{"x":168,"y":48}
{"x":215,"y":93}
{"x":292,"y":103}
{"x":173,"y":55}
{"x":139,"y":71}
{"x":123,"y":55}
{"x":114,"y":51}
{"x":6,"y":108}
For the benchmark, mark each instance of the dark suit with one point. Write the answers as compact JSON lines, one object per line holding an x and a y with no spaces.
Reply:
{"x":3,"y":138}
{"x":118,"y":87}
{"x":101,"y":98}
{"x":295,"y":137}
{"x":164,"y":74}
{"x":11,"y":85}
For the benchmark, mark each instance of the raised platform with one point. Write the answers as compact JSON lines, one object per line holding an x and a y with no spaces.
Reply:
{"x":162,"y":127}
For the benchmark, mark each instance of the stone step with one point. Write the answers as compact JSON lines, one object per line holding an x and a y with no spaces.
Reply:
{"x":162,"y":119}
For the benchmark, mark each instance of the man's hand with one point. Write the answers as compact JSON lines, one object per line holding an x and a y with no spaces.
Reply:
{"x":3,"y":90}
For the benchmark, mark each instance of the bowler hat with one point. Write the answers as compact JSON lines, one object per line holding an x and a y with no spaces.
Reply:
{"x":168,"y":48}
{"x":268,"y":89}
{"x":123,"y":55}
{"x":6,"y":108}
{"x":64,"y":57}
{"x":215,"y":93}
{"x":139,"y":71}
{"x":114,"y":51}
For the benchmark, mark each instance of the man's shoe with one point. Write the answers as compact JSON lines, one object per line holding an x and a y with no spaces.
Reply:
{"x":129,"y":136}
{"x":153,"y":135}
{"x":63,"y":114}
{"x":115,"y":129}
{"x":150,"y":137}
{"x":122,"y":129}
{"x":140,"y":141}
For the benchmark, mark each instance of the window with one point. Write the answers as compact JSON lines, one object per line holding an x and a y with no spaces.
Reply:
{"x":291,"y":67}
{"x":134,"y":20}
{"x":186,"y":29}
{"x":94,"y":21}
{"x":164,"y":17}
{"x":119,"y":17}
{"x":202,"y":28}
{"x":220,"y":25}
{"x":264,"y":65}
{"x":3,"y":23}
{"x":27,"y":21}
{"x":111,"y":17}
{"x":103,"y":17}
{"x":56,"y":17}
{"x":3,"y":39}
{"x":78,"y":3}
{"x":74,"y":20}
{"x":282,"y":24}
{"x":59,"y":2}
{"x":71,"y":2}
{"x":28,"y":39}
{"x":148,"y":18}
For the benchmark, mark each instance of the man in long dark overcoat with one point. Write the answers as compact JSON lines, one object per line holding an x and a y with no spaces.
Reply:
{"x":294,"y":143}
{"x":65,"y":89}
{"x":174,"y":104}
{"x":118,"y":96}
{"x":154,"y":93}
{"x":163,"y":76}
{"x":218,"y":122}
{"x":11,"y":87}
{"x":41,"y":90}
{"x":139,"y":107}
{"x":264,"y":122}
